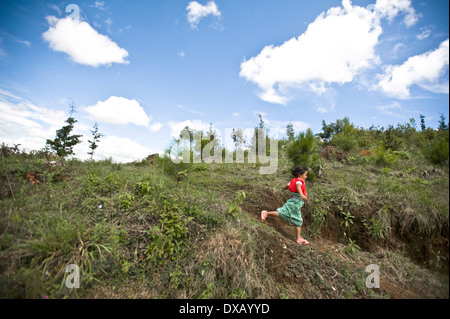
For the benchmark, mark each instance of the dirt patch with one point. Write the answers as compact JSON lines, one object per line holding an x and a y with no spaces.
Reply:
{"x":398,"y":291}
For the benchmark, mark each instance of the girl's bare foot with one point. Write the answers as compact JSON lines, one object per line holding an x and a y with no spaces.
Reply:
{"x":302,"y":241}
{"x":263,"y":215}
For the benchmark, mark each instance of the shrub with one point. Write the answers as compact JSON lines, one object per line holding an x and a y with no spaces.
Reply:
{"x":234,"y":209}
{"x":384,"y":158}
{"x":437,"y":151}
{"x":167,"y":238}
{"x":346,"y":139}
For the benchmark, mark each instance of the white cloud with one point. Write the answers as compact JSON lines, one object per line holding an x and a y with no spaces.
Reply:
{"x":391,"y":8}
{"x":22,"y":122}
{"x":155,"y":127}
{"x":184,"y":108}
{"x":196,"y":12}
{"x":120,"y":149}
{"x":99,"y":5}
{"x":177,"y":127}
{"x":397,"y":48}
{"x":118,"y":110}
{"x":279,"y":127}
{"x":424,"y":34}
{"x":426,"y":70}
{"x":321,"y":109}
{"x":24,"y":42}
{"x":334,"y":49}
{"x":82,"y":43}
{"x":55,"y":7}
{"x":388,"y":109}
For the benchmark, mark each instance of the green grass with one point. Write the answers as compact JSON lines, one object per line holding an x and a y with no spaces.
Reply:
{"x":168,"y":230}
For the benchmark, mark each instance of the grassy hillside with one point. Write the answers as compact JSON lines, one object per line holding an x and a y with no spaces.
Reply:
{"x":155,"y":229}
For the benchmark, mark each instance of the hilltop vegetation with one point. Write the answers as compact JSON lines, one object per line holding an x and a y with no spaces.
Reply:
{"x":157,"y":229}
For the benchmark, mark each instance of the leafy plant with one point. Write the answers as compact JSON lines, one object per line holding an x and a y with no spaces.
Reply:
{"x":318,"y":219}
{"x":352,"y":247}
{"x":377,"y":228}
{"x":234,"y":208}
{"x":126,"y":200}
{"x":384,"y":158}
{"x":436,"y":262}
{"x":348,"y":219}
{"x":144,"y":188}
{"x":208,"y":292}
{"x":167,"y":238}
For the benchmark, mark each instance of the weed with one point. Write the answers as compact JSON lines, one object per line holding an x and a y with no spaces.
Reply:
{"x":167,"y":238}
{"x":208,"y":292}
{"x":126,"y":200}
{"x":377,"y":228}
{"x":348,"y":219}
{"x":234,"y":208}
{"x":437,"y":261}
{"x":318,"y":220}
{"x":352,"y":247}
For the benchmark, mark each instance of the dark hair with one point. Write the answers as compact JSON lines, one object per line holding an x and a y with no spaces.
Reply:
{"x":299,"y":170}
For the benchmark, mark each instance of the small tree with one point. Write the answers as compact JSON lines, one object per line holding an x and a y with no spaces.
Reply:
{"x":96,"y":135}
{"x":64,"y":142}
{"x":344,"y":136}
{"x":442,"y":125}
{"x":290,"y":132}
{"x":303,"y":150}
{"x":438,"y":151}
{"x":238,"y":138}
{"x":327,"y":131}
{"x":422,"y":122}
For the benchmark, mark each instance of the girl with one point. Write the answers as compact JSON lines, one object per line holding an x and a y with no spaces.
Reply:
{"x":291,"y":209}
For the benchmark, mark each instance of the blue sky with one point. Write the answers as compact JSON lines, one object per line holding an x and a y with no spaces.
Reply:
{"x":145,"y":69}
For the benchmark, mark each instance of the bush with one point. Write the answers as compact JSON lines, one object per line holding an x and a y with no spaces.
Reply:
{"x":384,"y":158}
{"x":437,"y":151}
{"x":346,"y":139}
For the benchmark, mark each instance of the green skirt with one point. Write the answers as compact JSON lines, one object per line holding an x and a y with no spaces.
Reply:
{"x":291,"y":210}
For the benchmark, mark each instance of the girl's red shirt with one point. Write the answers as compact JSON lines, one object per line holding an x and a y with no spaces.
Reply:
{"x":293,"y":185}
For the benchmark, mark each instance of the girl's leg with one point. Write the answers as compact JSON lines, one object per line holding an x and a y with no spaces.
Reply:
{"x":265,"y":213}
{"x":301,"y":240}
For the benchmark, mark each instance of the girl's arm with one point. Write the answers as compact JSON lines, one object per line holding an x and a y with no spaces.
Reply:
{"x":285,"y":187}
{"x":300,"y":191}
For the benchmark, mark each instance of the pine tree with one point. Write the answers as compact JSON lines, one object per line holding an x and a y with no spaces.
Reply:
{"x":64,"y":142}
{"x":442,"y":125}
{"x":96,"y":135}
{"x":303,"y":151}
{"x":290,"y":131}
{"x":422,"y":122}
